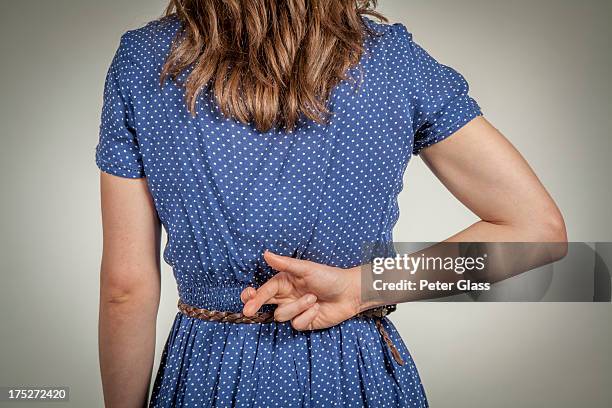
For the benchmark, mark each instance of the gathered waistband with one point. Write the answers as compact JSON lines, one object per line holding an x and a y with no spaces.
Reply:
{"x":226,"y":297}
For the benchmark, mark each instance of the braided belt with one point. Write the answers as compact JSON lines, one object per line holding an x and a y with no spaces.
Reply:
{"x":268,"y":317}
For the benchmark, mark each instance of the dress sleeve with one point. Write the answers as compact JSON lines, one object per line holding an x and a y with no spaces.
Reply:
{"x":117,"y":151}
{"x":439,"y":96}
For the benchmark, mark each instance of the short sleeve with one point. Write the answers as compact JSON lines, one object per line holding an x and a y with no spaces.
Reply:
{"x":440,"y":101}
{"x":117,"y":151}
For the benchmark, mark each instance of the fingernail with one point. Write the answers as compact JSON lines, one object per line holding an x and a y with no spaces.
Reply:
{"x":311,"y":298}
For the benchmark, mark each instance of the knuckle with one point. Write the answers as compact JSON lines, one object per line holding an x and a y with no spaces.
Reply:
{"x":297,"y":325}
{"x":278,"y":316}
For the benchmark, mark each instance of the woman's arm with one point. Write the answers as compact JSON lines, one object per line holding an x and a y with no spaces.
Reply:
{"x":483,"y":171}
{"x":129,"y":290}
{"x":480,"y":167}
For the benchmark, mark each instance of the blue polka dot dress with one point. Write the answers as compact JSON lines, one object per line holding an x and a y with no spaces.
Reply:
{"x":225,"y":192}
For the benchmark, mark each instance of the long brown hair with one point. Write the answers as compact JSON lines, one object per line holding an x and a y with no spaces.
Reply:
{"x":267,"y":62}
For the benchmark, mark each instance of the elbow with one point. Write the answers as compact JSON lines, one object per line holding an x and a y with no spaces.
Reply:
{"x":541,"y":226}
{"x":126,"y":292}
{"x":117,"y":296}
{"x":551,"y":230}
{"x":544,"y":229}
{"x":127,"y":302}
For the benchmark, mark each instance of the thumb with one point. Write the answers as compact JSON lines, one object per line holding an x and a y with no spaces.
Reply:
{"x":293,"y":266}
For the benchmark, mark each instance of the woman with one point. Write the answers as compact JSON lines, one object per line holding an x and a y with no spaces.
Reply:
{"x":269,"y":138}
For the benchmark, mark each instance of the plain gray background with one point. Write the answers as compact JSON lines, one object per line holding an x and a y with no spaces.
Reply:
{"x":540,"y":71}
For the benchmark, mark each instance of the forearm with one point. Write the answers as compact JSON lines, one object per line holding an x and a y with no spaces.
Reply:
{"x":127,"y":347}
{"x":511,"y":249}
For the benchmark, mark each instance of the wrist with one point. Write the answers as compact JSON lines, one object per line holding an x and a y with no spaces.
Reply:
{"x":364,"y":295}
{"x":370,"y":304}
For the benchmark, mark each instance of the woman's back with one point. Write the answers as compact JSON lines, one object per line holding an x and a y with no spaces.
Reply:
{"x":225,"y":192}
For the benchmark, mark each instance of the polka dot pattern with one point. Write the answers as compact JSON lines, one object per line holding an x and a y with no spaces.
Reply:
{"x":224,"y":192}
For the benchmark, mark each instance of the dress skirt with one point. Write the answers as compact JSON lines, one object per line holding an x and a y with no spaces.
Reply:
{"x":213,"y":364}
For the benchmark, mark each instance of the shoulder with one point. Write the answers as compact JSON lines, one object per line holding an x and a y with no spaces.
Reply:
{"x":390,"y":42}
{"x":148,"y":46}
{"x":393,"y":34}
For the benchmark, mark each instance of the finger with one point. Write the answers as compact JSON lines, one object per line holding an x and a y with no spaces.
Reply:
{"x":247,"y":294}
{"x":304,"y":321}
{"x":262,"y":295}
{"x":296,"y":267}
{"x":288,"y":311}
